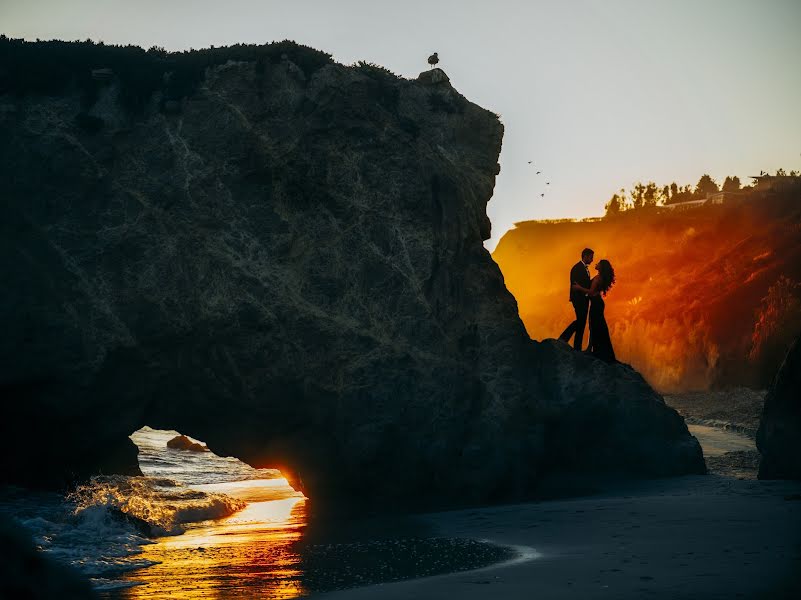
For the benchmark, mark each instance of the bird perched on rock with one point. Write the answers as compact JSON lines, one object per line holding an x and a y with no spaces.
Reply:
{"x":433,"y":59}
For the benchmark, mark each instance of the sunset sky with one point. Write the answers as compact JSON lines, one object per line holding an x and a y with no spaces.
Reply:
{"x":598,"y":94}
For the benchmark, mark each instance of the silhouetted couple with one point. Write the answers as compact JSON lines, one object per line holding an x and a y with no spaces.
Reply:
{"x":586,"y":295}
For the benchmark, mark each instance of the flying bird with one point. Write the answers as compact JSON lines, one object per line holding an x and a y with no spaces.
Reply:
{"x":542,"y":195}
{"x":538,"y":172}
{"x":547,"y":183}
{"x":529,"y":162}
{"x":433,"y":59}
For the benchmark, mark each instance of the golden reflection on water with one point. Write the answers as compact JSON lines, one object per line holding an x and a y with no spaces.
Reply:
{"x":247,"y":555}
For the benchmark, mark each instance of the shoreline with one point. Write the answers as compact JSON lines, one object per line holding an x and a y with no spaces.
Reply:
{"x":737,"y":409}
{"x":694,"y":536}
{"x":721,"y":535}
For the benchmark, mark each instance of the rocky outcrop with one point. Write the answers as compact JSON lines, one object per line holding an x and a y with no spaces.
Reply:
{"x":26,"y":572}
{"x":181,"y":442}
{"x":291,"y":269}
{"x":779,"y":435}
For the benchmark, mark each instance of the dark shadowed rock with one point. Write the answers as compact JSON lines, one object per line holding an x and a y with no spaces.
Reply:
{"x":433,"y":77}
{"x":779,"y":435}
{"x":292,"y":270}
{"x":606,"y":418}
{"x":27,"y":573}
{"x":181,"y":442}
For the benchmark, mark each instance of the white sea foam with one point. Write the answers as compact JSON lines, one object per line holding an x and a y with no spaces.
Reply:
{"x":154,"y":506}
{"x":97,"y":542}
{"x":101,"y":527}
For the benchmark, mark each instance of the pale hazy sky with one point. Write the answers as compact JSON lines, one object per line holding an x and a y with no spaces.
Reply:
{"x":598,"y":94}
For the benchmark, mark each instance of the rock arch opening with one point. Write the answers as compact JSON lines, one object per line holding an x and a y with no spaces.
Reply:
{"x":170,"y":455}
{"x":267,"y":542}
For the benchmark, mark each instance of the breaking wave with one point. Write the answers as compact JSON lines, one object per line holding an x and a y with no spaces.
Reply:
{"x":102,"y":526}
{"x":153,"y":506}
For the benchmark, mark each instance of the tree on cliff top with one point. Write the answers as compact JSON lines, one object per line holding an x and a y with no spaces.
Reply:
{"x":650,"y":194}
{"x":678,"y":193}
{"x":615,"y":205}
{"x":706,"y":185}
{"x":637,"y":195}
{"x":642,"y":195}
{"x":732,"y":184}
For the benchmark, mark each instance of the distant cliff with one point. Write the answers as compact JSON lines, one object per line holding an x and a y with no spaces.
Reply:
{"x":284,"y":259}
{"x":705,"y":297}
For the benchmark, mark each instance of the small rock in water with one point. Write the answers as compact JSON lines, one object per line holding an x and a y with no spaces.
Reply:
{"x":181,"y":442}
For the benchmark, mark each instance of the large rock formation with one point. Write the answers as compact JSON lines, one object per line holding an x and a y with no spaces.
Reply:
{"x":288,"y":265}
{"x":779,"y":435}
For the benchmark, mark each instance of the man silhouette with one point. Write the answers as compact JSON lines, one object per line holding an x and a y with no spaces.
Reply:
{"x":580,"y":273}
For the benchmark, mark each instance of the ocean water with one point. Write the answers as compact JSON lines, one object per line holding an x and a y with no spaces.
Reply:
{"x":106,"y":527}
{"x":197,"y":525}
{"x":717,"y":442}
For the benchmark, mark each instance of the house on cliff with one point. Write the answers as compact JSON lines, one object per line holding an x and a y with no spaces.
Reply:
{"x":716,"y":198}
{"x":723,"y":197}
{"x":685,"y":205}
{"x":776,"y":183}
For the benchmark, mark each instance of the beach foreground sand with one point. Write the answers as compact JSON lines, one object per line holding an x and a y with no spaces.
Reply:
{"x":687,"y":537}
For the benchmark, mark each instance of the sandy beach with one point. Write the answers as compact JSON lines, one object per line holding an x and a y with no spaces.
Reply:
{"x":688,"y":537}
{"x":723,"y":535}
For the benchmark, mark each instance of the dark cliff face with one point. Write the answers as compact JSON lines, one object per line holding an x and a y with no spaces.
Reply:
{"x":288,"y":265}
{"x":779,"y":435}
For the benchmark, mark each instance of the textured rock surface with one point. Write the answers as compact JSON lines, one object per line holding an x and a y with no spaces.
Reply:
{"x":779,"y":435}
{"x":28,"y":573}
{"x":290,"y":268}
{"x":181,"y":442}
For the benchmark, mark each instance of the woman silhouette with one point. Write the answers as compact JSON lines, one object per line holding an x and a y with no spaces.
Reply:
{"x":601,"y":343}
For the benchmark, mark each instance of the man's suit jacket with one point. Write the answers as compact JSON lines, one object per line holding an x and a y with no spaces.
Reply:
{"x":580,"y":273}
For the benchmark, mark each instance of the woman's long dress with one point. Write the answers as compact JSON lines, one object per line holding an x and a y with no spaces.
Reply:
{"x":599,"y":331}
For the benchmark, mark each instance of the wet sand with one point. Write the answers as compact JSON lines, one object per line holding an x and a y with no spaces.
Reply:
{"x":723,"y":535}
{"x":716,"y":536}
{"x":688,"y":537}
{"x":246,"y":555}
{"x":273,"y":549}
{"x":737,"y":409}
{"x":725,"y":423}
{"x":717,"y":442}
